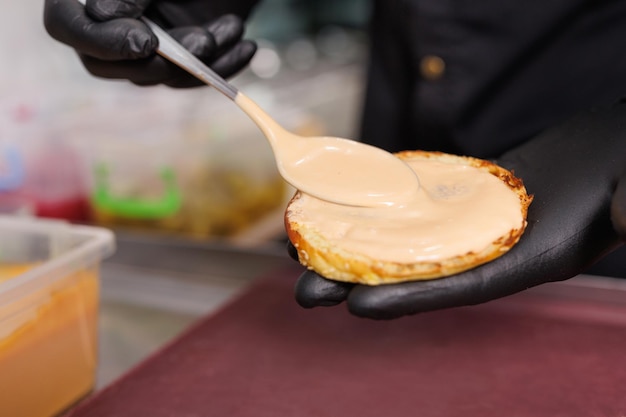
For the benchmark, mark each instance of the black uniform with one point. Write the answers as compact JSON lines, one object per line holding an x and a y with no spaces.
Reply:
{"x":479,"y":77}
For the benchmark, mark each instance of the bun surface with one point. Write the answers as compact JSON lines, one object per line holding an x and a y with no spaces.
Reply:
{"x":469,"y":211}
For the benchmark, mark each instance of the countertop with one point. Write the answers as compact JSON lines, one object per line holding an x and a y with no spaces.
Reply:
{"x":550,"y":350}
{"x":153,"y":288}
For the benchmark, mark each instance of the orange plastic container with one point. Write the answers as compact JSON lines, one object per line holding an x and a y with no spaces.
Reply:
{"x":49,"y":290}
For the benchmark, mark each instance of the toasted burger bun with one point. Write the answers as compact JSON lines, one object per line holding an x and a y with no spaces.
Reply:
{"x":315,"y":228}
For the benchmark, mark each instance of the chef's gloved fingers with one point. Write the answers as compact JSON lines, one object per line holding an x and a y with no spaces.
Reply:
{"x":236,"y":59}
{"x":390,"y":301}
{"x":124,"y":48}
{"x":158,"y":70}
{"x":618,"y":208}
{"x":313,"y":290}
{"x":124,"y":38}
{"x":217,"y":44}
{"x":155,"y":69}
{"x":103,"y":10}
{"x":292,"y":251}
{"x":384,"y":302}
{"x":507,"y":275}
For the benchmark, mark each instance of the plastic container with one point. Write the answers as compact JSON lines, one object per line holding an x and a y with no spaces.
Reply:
{"x":49,"y":289}
{"x":196,"y":168}
{"x":40,"y":174}
{"x":13,"y":199}
{"x":54,"y":184}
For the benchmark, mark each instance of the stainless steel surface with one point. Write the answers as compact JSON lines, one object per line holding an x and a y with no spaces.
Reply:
{"x":154,"y":288}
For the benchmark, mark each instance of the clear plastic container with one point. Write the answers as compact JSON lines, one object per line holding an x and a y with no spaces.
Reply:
{"x":40,"y":174}
{"x":54,"y":184}
{"x":197,"y":168}
{"x":49,"y":290}
{"x":13,"y":199}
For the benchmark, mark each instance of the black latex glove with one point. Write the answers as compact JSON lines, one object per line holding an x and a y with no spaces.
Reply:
{"x":577,"y":173}
{"x":112,"y":43}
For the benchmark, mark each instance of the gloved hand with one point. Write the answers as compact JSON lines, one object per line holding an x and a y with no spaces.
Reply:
{"x":112,"y":43}
{"x":577,"y":173}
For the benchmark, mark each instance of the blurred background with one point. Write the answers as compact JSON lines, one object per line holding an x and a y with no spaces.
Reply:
{"x":73,"y":147}
{"x":184,"y":179}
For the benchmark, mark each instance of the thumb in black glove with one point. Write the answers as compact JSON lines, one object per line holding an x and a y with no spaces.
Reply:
{"x":112,"y":43}
{"x":577,"y":173}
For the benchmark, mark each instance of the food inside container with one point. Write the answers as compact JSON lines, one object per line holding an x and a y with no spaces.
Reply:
{"x":190,"y":168}
{"x":49,"y":286}
{"x":40,"y":175}
{"x":12,"y":172}
{"x":54,"y":184}
{"x":181,"y":190}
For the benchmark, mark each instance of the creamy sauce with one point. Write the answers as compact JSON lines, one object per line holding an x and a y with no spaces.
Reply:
{"x":48,"y":344}
{"x":339,"y":170}
{"x":458,"y":209}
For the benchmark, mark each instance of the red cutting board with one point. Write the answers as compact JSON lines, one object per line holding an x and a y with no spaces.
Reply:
{"x":526,"y":355}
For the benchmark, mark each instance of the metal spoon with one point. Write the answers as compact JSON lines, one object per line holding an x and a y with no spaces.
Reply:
{"x":338,"y":170}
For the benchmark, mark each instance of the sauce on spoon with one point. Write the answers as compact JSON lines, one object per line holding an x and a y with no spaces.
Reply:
{"x":338,"y":170}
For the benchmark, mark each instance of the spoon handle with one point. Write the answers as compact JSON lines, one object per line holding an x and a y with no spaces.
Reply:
{"x":173,"y":51}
